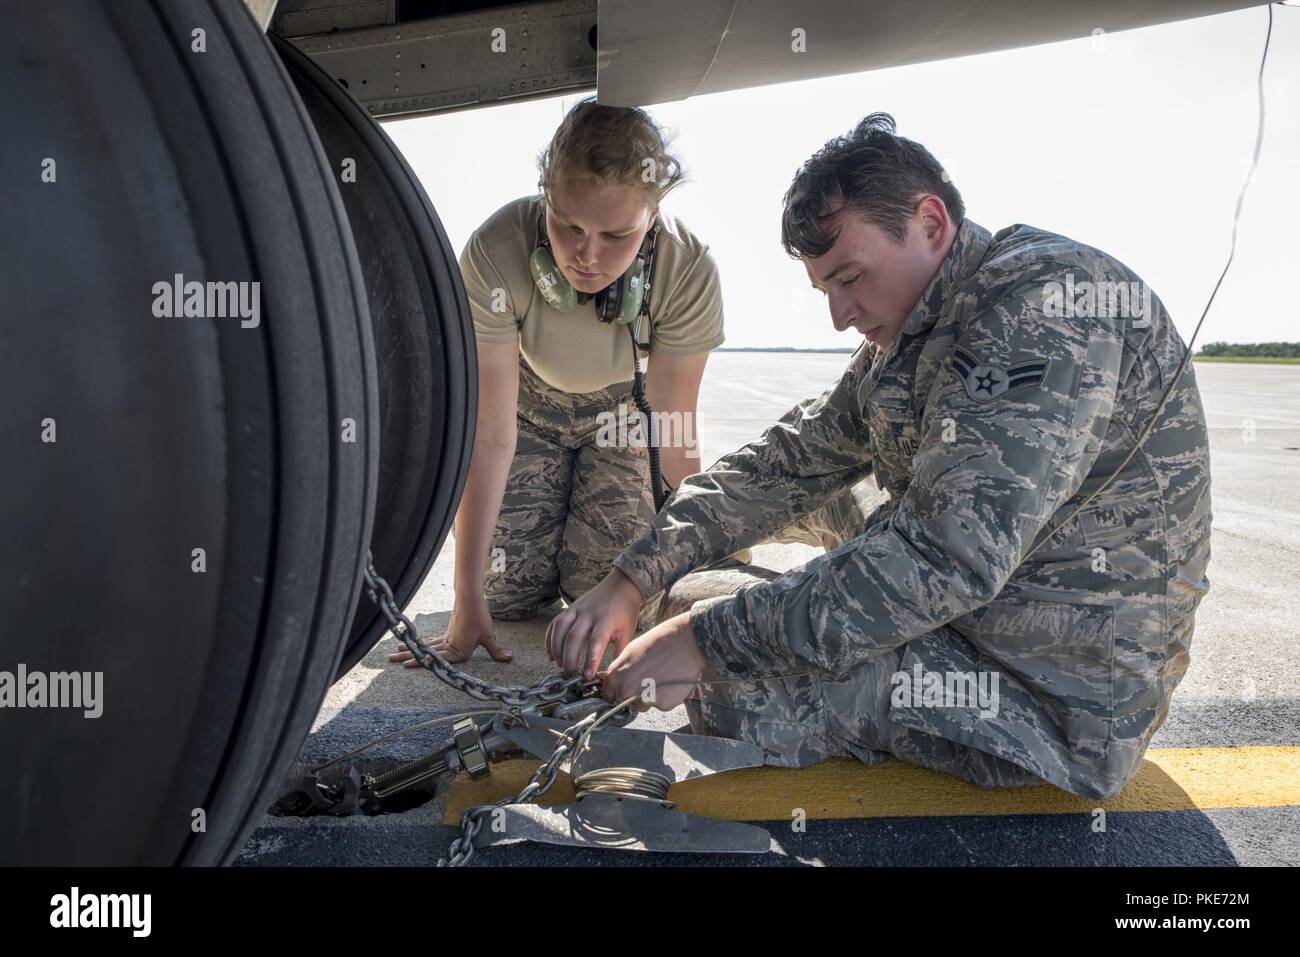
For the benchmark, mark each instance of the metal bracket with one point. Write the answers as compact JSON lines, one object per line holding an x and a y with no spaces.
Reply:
{"x":469,"y":745}
{"x":627,"y":821}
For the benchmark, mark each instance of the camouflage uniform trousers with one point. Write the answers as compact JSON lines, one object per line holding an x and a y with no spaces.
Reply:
{"x":800,"y":721}
{"x":573,"y":500}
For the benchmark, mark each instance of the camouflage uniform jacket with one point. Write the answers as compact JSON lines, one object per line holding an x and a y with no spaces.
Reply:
{"x":995,"y":412}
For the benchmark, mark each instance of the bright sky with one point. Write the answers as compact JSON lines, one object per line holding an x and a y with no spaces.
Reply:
{"x":1138,"y":148}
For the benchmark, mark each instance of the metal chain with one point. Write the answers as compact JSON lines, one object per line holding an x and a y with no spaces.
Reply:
{"x":471,"y":822}
{"x":556,"y":688}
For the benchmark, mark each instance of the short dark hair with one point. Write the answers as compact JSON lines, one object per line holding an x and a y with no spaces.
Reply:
{"x":871,"y":171}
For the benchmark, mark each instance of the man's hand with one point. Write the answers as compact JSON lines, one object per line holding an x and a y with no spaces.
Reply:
{"x":470,"y":626}
{"x":661,"y":667}
{"x":578,"y":636}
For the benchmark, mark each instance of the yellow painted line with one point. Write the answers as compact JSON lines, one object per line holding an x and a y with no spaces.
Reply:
{"x":1170,"y":779}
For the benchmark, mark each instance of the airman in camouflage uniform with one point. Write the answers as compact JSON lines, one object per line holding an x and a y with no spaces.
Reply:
{"x":558,"y":283}
{"x":988,"y":420}
{"x":572,"y":501}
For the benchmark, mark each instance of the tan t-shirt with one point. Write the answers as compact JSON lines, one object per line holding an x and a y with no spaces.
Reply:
{"x":574,"y":351}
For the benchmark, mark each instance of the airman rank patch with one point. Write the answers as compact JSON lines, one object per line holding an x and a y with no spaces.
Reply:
{"x":984,"y":383}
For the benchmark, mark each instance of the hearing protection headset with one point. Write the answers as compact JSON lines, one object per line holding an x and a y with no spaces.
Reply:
{"x":622,"y":301}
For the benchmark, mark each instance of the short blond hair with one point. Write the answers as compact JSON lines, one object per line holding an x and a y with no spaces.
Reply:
{"x":609,"y":144}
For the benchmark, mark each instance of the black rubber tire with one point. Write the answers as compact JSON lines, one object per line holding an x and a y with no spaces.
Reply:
{"x":424,"y":342}
{"x":172,"y":433}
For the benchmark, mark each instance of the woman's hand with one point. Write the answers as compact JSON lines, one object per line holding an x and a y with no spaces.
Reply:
{"x":578,"y":636}
{"x":661,"y":667}
{"x":470,"y":626}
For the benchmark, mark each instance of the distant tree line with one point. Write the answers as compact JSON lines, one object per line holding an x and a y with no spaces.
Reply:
{"x":1252,"y":350}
